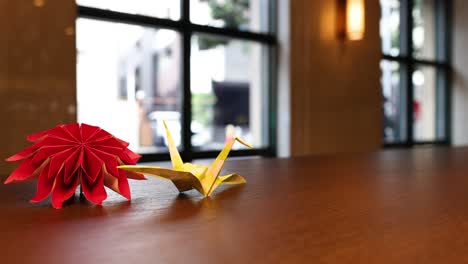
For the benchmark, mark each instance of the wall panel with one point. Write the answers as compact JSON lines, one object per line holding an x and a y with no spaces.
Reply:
{"x":335,"y":85}
{"x":37,"y":70}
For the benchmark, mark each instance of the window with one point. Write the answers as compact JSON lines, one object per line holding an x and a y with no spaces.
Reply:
{"x":204,"y":66}
{"x":415,"y":71}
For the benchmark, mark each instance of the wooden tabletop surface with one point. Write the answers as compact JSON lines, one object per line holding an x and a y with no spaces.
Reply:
{"x":395,"y":206}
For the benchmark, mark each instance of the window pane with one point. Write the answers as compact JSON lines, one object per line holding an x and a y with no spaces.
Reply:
{"x":228,"y":95}
{"x":128,"y":79}
{"x":424,"y":30}
{"x":238,"y":14}
{"x":155,"y":8}
{"x":425,"y":103}
{"x":394,"y":102}
{"x":390,"y":27}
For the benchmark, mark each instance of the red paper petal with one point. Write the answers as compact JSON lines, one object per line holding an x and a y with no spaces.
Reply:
{"x":52,"y":140}
{"x":38,"y":145}
{"x":71,"y":165}
{"x":115,"y":151}
{"x":57,"y":162}
{"x":111,"y":183}
{"x":21,"y":155}
{"x":118,"y":185}
{"x":39,"y":135}
{"x":62,"y":133}
{"x":57,"y":131}
{"x":135,"y":176}
{"x":123,"y":143}
{"x":126,"y":155}
{"x":110,"y":162}
{"x":24,"y":171}
{"x":88,"y":131}
{"x":92,"y":163}
{"x":124,"y":188}
{"x":62,"y":191}
{"x":94,"y":192}
{"x":133,"y":156}
{"x":99,"y":136}
{"x":44,"y":186}
{"x":47,"y":151}
{"x":110,"y":142}
{"x":74,"y":131}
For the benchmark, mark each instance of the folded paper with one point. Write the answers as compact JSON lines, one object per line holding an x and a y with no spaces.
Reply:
{"x":187,"y":176}
{"x":68,"y":155}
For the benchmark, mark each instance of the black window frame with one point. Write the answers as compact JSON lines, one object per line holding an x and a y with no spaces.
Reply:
{"x":187,"y":29}
{"x":443,"y":68}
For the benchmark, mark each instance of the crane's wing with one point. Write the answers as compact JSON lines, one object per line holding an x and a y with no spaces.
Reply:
{"x":213,"y":171}
{"x":175,"y":156}
{"x":227,"y":179}
{"x":183,"y":180}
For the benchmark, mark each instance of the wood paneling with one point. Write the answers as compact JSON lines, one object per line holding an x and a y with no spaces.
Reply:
{"x":336,"y":101}
{"x":37,"y":70}
{"x":460,"y":73}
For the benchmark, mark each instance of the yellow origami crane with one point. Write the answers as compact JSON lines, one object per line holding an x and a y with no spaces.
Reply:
{"x":187,"y":176}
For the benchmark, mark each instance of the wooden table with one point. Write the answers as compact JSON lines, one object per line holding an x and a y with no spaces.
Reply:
{"x":390,"y":207}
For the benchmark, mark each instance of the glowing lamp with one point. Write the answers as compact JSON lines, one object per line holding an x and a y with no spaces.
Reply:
{"x":351,"y":19}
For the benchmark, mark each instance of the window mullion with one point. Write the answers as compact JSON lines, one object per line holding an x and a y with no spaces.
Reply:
{"x":406,"y":28}
{"x":185,"y":11}
{"x":187,"y":95}
{"x":444,"y":15}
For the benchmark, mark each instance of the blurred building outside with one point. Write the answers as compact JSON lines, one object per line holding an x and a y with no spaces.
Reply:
{"x":129,"y":80}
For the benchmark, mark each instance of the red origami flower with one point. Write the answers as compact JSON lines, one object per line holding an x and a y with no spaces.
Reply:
{"x":72,"y":154}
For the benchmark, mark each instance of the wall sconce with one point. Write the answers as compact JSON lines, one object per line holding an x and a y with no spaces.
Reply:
{"x":350,"y":19}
